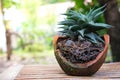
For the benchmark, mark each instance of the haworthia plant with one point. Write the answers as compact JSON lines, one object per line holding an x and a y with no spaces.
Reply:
{"x":84,"y":26}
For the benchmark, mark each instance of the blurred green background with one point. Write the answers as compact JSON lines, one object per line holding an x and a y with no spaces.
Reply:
{"x":33,"y":24}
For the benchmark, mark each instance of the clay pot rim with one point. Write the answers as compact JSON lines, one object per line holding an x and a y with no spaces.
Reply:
{"x":82,"y":65}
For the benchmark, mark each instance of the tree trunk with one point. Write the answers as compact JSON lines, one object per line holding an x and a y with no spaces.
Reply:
{"x":112,"y":17}
{"x":9,"y":48}
{"x":8,"y":34}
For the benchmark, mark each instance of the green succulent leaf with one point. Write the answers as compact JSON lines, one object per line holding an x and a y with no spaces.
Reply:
{"x":99,"y":38}
{"x":68,"y":33}
{"x":99,"y":25}
{"x":84,"y":26}
{"x":76,"y":16}
{"x":81,"y":32}
{"x":80,"y":37}
{"x":67,"y":22}
{"x":79,"y":21}
{"x":95,"y":13}
{"x":64,"y":27}
{"x":82,"y":16}
{"x":91,"y":37}
{"x":98,"y":15}
{"x":90,"y":12}
{"x":67,"y":14}
{"x":74,"y":27}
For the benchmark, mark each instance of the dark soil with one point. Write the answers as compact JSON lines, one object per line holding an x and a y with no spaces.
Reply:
{"x":79,"y":51}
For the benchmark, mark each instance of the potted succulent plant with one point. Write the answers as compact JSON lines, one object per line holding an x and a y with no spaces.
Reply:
{"x":81,"y":49}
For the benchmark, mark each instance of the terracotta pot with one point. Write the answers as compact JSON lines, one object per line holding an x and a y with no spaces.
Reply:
{"x":81,"y":69}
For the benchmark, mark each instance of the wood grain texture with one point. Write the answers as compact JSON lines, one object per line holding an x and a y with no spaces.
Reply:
{"x":53,"y":72}
{"x":11,"y":72}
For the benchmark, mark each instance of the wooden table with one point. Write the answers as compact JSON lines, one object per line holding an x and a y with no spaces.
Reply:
{"x":54,"y":72}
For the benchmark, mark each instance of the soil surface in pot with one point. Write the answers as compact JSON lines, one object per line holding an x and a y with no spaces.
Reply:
{"x":79,"y":51}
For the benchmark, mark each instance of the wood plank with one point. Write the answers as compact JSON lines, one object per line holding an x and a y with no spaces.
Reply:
{"x":11,"y":72}
{"x":54,"y":72}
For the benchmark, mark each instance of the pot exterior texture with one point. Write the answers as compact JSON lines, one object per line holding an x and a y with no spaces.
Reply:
{"x":81,"y":69}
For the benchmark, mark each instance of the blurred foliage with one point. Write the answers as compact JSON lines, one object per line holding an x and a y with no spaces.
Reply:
{"x":85,"y":5}
{"x":37,"y":41}
{"x":34,"y":38}
{"x":53,"y":1}
{"x":30,"y":8}
{"x":119,"y":4}
{"x":10,"y":3}
{"x":17,"y":3}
